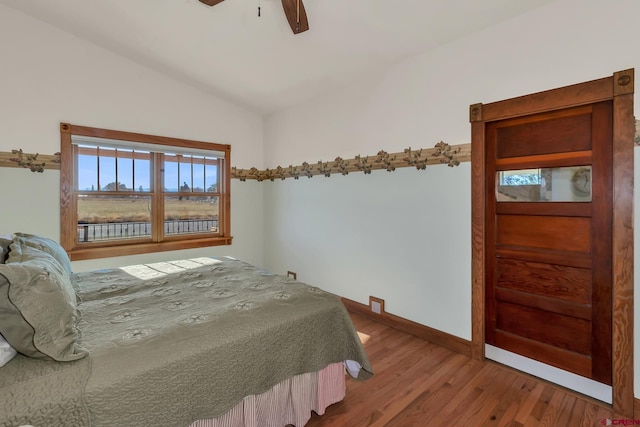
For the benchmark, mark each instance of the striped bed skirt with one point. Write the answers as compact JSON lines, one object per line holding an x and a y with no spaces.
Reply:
{"x":287,"y":403}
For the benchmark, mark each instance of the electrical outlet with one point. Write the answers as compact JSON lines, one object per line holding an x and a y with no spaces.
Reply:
{"x":376,"y":305}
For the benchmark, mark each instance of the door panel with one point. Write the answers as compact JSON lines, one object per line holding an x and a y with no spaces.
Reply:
{"x":554,"y":356}
{"x":566,"y":134}
{"x":548,"y":265}
{"x":545,"y":280}
{"x":545,"y":160}
{"x":548,"y":232}
{"x":551,"y":305}
{"x":556,"y":329}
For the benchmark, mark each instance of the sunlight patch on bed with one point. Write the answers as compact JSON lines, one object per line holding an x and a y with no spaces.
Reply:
{"x":159,"y":269}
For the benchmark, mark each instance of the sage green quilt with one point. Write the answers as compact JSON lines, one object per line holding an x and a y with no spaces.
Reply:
{"x":173,"y":342}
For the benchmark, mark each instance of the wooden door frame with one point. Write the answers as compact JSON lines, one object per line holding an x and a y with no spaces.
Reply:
{"x":618,"y":88}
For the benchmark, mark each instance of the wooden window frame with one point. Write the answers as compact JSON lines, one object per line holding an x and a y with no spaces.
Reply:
{"x":157,"y":243}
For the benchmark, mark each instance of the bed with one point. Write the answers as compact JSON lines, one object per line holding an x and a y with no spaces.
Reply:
{"x":200,"y":342}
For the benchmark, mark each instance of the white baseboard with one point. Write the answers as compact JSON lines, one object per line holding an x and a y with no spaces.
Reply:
{"x":550,"y":373}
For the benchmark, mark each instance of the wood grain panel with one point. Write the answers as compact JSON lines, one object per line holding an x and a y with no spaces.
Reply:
{"x":554,"y":356}
{"x":478,"y":179}
{"x":623,"y":299}
{"x":572,"y":133}
{"x":601,"y":238}
{"x":581,"y":311}
{"x":576,"y":158}
{"x":80,"y":253}
{"x":545,"y":208}
{"x":67,"y":226}
{"x":549,"y":257}
{"x":144,"y":138}
{"x":564,"y":332}
{"x":556,"y":281}
{"x":554,"y":99}
{"x":556,"y":233}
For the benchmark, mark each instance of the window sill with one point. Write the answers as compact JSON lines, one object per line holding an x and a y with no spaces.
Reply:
{"x":85,"y":253}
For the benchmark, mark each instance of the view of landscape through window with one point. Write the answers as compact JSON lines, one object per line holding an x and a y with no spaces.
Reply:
{"x":116,"y":193}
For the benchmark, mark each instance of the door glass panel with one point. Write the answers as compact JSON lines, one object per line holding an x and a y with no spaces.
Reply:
{"x":564,"y":184}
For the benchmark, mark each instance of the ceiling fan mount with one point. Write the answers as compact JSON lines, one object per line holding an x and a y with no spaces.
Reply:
{"x":293,"y":9}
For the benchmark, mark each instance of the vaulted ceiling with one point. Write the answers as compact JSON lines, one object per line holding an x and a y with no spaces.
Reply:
{"x":257,"y":62}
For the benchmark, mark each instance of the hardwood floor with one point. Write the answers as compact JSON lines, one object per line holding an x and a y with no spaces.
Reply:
{"x":417,"y":383}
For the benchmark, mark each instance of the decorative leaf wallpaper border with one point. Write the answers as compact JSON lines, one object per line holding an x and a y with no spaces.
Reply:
{"x":441,"y":153}
{"x":34,"y":162}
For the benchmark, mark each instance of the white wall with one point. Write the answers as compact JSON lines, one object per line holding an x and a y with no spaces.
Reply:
{"x":405,"y":236}
{"x":48,"y":76}
{"x":390,"y":235}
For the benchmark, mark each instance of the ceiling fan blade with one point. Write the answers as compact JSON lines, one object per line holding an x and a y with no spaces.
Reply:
{"x":211,"y":2}
{"x":296,"y":15}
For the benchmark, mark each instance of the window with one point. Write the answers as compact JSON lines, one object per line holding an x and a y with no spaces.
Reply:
{"x":124,"y":193}
{"x":560,"y":184}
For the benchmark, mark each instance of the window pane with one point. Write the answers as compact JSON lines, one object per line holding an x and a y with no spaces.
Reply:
{"x":211,"y":176}
{"x":142,"y":171}
{"x":191,"y":214}
{"x":185,"y":173}
{"x":171,"y":182}
{"x":87,"y":169}
{"x":107,"y":163}
{"x":198,"y":174}
{"x":113,"y":217}
{"x":125,"y":169}
{"x":565,"y":184}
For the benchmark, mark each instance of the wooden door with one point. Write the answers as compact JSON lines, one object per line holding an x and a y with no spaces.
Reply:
{"x":549,"y":239}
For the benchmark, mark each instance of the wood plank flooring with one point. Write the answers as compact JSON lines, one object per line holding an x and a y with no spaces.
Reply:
{"x":417,"y":383}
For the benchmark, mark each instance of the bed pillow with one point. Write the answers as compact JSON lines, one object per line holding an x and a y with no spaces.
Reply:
{"x":6,"y":352}
{"x":38,"y":305}
{"x":49,"y":246}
